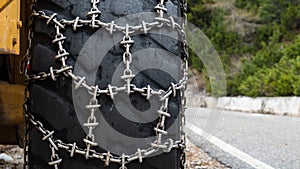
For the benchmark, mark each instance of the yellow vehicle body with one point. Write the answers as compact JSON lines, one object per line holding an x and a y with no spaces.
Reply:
{"x":10,"y":25}
{"x":13,"y":44}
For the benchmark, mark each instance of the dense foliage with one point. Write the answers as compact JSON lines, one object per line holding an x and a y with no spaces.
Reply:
{"x":258,"y":42}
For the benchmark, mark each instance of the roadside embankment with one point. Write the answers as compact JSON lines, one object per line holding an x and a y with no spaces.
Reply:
{"x":266,"y":105}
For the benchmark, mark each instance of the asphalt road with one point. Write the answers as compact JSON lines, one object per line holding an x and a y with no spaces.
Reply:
{"x":246,"y":140}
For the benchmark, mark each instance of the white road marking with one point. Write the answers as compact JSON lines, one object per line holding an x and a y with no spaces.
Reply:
{"x":257,"y":115}
{"x":229,"y":149}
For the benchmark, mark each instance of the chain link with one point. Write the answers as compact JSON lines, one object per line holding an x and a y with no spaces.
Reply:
{"x":26,"y":135}
{"x":91,"y":123}
{"x":23,"y":69}
{"x":94,"y":91}
{"x":94,"y":13}
{"x":185,"y":67}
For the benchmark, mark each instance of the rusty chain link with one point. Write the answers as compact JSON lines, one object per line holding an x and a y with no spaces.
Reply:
{"x":94,"y":91}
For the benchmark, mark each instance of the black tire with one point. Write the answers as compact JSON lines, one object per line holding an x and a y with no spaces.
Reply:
{"x":51,"y":101}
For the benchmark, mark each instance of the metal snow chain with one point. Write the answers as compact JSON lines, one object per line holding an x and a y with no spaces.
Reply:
{"x":91,"y":123}
{"x":160,"y":127}
{"x":25,"y":63}
{"x":127,"y":58}
{"x":23,"y":68}
{"x":59,"y":38}
{"x":185,"y":54}
{"x":111,"y":27}
{"x":94,"y":13}
{"x":55,"y":160}
{"x":105,"y":157}
{"x":111,"y":90}
{"x":26,"y":134}
{"x":160,"y":8}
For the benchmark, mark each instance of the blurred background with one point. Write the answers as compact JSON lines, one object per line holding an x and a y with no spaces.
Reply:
{"x":258,"y":42}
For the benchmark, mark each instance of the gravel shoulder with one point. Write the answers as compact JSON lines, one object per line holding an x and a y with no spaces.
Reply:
{"x":198,"y":159}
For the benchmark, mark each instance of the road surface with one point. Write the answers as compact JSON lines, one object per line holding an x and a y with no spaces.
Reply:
{"x":246,"y":140}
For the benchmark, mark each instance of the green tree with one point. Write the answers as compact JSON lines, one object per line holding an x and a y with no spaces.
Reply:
{"x":261,"y":35}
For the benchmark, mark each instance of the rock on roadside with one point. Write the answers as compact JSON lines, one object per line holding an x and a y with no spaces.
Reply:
{"x":11,"y":157}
